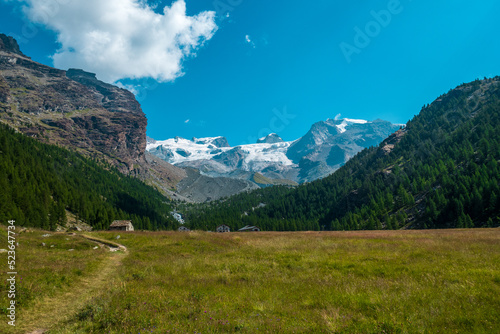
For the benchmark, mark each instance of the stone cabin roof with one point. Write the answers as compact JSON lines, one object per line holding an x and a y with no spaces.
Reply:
{"x":120,"y":223}
{"x":249,"y":228}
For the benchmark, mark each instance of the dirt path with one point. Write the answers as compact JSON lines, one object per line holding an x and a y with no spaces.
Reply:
{"x":47,"y":313}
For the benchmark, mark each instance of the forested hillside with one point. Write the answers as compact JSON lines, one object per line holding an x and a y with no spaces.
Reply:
{"x":39,"y":182}
{"x":441,"y":171}
{"x":236,"y":210}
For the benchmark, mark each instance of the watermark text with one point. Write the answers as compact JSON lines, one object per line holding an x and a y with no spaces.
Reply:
{"x":372,"y":29}
{"x":11,"y":280}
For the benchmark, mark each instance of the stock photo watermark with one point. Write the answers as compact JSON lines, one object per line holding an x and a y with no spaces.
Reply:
{"x":363,"y":37}
{"x":224,"y":7}
{"x":141,"y":91}
{"x":278,"y":122}
{"x":11,"y":265}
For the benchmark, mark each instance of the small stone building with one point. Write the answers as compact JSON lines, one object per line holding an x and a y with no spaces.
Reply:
{"x":249,"y":228}
{"x":183,"y":229}
{"x":223,"y":229}
{"x":121,"y":225}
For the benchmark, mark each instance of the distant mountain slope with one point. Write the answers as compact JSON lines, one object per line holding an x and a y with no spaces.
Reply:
{"x":441,"y":171}
{"x":200,"y":188}
{"x":329,"y":145}
{"x":325,"y":148}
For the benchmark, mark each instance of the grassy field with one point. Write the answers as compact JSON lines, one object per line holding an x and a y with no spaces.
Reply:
{"x":46,"y":263}
{"x":331,"y":282}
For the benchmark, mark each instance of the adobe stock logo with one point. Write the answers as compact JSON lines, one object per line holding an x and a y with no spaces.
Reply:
{"x":363,"y":37}
{"x":224,"y":7}
{"x":29,"y":30}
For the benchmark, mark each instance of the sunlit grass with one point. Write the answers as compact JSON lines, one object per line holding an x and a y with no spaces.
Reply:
{"x":353,"y":282}
{"x":47,"y":264}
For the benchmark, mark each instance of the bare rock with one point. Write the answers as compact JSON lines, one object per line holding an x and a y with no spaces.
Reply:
{"x":9,"y":44}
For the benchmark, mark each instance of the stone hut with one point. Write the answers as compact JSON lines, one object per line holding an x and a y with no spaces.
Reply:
{"x":121,"y":225}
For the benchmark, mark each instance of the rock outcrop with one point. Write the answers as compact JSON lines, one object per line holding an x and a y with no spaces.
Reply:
{"x":273,"y":138}
{"x":388,"y":145}
{"x":9,"y":44}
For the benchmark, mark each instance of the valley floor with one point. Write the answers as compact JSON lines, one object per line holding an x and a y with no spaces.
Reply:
{"x":434,"y":281}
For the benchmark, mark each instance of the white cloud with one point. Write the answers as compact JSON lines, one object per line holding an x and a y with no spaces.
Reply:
{"x":187,"y":121}
{"x":338,"y":117}
{"x":249,"y":41}
{"x":120,"y":39}
{"x":133,"y":89}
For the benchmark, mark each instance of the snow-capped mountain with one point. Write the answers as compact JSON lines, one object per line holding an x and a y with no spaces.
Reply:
{"x":213,"y":156}
{"x":325,"y":148}
{"x":330,"y":144}
{"x":179,"y":150}
{"x":270,"y":139}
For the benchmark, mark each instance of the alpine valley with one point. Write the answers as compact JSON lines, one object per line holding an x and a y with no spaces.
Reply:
{"x":94,"y":163}
{"x":148,"y":185}
{"x":75,"y":110}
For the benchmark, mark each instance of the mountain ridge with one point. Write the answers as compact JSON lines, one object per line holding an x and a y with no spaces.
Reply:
{"x":326,"y":147}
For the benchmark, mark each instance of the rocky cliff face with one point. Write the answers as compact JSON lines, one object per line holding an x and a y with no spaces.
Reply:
{"x":9,"y":44}
{"x":72,"y":109}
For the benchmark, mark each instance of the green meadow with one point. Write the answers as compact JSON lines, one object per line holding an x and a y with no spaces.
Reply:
{"x":434,"y":281}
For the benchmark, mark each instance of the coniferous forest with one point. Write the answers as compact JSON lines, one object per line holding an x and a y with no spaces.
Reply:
{"x":440,"y":171}
{"x":40,"y":183}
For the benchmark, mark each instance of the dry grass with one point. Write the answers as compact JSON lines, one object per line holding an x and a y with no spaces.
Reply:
{"x":51,"y":278}
{"x":306,"y":282}
{"x":351,"y":282}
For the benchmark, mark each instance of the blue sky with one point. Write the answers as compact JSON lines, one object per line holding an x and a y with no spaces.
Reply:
{"x":276,"y":66}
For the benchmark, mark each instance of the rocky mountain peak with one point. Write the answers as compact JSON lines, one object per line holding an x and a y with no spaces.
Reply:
{"x":215,"y":141}
{"x":112,"y":97}
{"x":272,"y":138}
{"x":78,"y":74}
{"x":9,"y":44}
{"x":331,"y":143}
